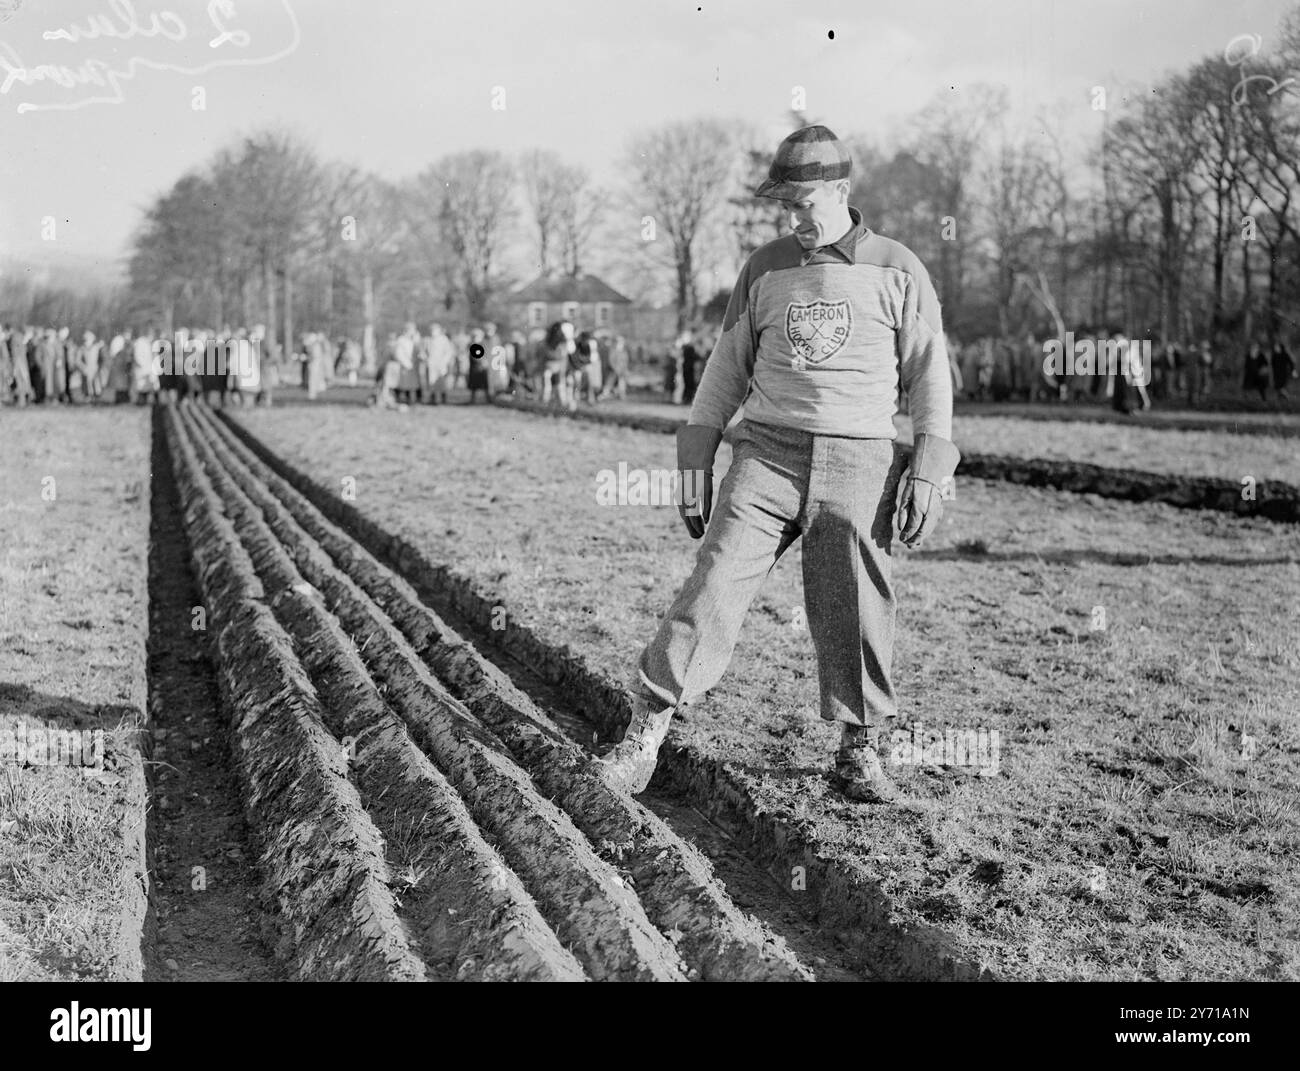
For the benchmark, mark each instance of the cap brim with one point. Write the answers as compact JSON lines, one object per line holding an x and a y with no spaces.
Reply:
{"x":785,"y":191}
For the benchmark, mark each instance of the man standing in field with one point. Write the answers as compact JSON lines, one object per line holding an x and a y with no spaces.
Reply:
{"x":819,"y":328}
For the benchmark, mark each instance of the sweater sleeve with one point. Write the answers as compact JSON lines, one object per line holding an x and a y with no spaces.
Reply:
{"x":923,"y":359}
{"x":727,"y":373}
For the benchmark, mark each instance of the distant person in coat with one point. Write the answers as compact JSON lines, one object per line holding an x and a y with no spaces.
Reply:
{"x":674,"y":379}
{"x":6,"y":367}
{"x":460,"y":342}
{"x":349,"y":360}
{"x":89,"y":361}
{"x":586,"y":368}
{"x":954,"y":366}
{"x":1119,"y":376}
{"x":34,"y":342}
{"x":497,"y":359}
{"x":1256,"y":371}
{"x":118,"y":383}
{"x":389,"y":377}
{"x":1283,"y":368}
{"x":1200,"y":367}
{"x":441,"y":357}
{"x":690,"y":368}
{"x":520,"y":373}
{"x":1172,"y":364}
{"x":144,"y":378}
{"x":317,"y":364}
{"x":477,"y":377}
{"x":214,"y":386}
{"x":1136,"y":373}
{"x":408,"y":382}
{"x":618,"y":368}
{"x":54,"y":369}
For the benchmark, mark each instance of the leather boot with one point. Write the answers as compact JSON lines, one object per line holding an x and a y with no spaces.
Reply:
{"x":859,"y":774}
{"x":631,"y":764}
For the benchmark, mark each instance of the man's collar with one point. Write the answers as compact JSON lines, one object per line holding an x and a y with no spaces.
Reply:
{"x":847,"y":246}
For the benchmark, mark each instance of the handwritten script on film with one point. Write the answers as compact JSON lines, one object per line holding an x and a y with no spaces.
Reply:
{"x":84,"y":61}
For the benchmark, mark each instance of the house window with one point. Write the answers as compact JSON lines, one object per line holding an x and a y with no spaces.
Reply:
{"x":602,"y":314}
{"x":570,"y":311}
{"x":537,"y":314}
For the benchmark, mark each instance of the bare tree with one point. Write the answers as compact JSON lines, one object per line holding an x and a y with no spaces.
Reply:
{"x":1062,"y":208}
{"x":1219,"y":160}
{"x":175,"y":264}
{"x":947,"y":143}
{"x":372,"y":234}
{"x":542,"y":174}
{"x":1271,"y":136}
{"x":579,"y":211}
{"x":1155,"y":142}
{"x":341,"y":186}
{"x":273,"y":180}
{"x":681,"y":172}
{"x":465,"y":201}
{"x":1017,"y":203}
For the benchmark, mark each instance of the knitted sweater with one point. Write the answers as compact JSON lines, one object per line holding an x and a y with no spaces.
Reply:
{"x":817,"y":340}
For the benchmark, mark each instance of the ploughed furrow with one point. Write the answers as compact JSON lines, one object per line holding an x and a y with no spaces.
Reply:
{"x":585,"y":900}
{"x":672,"y":879}
{"x":322,"y":867}
{"x":471,"y":915}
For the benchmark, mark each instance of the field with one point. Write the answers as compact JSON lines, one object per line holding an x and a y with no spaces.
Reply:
{"x":381,"y":646}
{"x":1126,"y":836}
{"x":75,"y":519}
{"x":1225,"y":454}
{"x":1176,"y":443}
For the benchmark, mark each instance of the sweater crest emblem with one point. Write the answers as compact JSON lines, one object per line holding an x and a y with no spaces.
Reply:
{"x":817,"y":330}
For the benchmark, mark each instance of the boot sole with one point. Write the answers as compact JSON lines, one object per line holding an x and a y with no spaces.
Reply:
{"x":633,"y":781}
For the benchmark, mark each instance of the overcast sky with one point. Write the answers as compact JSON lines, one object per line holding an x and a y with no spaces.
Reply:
{"x":392,"y":84}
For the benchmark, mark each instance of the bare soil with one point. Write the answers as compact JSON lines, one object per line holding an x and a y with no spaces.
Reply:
{"x":626,"y":896}
{"x":204,"y":922}
{"x":1144,"y":821}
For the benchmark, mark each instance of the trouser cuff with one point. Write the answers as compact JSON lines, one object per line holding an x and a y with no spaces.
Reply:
{"x":640,"y":684}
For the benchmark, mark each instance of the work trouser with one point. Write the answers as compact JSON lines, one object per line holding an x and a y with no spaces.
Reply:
{"x":839,"y":494}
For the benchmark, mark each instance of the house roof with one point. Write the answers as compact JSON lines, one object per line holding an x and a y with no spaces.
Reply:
{"x":583,"y":288}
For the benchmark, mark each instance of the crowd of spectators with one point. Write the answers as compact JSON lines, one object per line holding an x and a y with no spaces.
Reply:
{"x":1173,"y":374}
{"x":564,"y":366}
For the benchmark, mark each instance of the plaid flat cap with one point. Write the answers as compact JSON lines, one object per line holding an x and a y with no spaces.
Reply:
{"x":813,"y":154}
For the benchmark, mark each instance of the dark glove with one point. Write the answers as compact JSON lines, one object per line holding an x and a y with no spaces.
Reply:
{"x":696,"y":448}
{"x":934,"y":460}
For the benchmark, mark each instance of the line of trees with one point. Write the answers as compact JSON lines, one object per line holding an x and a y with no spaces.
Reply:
{"x":1181,"y":220}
